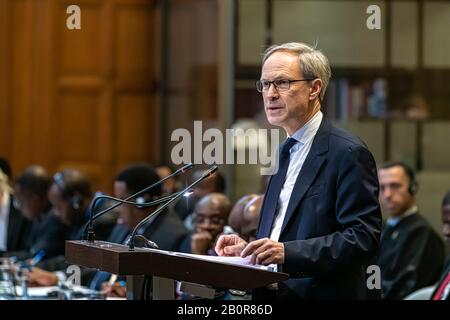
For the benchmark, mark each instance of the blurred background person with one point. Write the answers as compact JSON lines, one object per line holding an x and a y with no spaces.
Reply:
{"x":14,"y":227}
{"x":70,"y":195}
{"x":47,"y":233}
{"x":411,"y":252}
{"x":210,"y":217}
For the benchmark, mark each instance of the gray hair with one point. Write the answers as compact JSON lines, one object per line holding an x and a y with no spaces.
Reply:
{"x":313,"y":62}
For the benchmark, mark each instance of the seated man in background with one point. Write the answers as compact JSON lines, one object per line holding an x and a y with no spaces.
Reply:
{"x":411,"y":252}
{"x":70,"y":195}
{"x":210,"y":216}
{"x":47,"y":233}
{"x":14,"y":228}
{"x":442,"y":291}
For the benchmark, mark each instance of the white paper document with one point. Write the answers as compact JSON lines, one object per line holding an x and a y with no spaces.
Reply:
{"x":229,"y":260}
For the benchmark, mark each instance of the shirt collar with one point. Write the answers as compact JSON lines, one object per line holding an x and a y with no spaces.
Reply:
{"x":307,"y":132}
{"x":393,"y":221}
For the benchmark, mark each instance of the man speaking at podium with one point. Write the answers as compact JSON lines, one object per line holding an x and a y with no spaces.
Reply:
{"x":320,"y":221}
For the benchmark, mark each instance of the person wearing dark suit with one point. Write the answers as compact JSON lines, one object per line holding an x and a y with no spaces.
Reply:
{"x":320,"y":220}
{"x":411,"y":252}
{"x":18,"y":229}
{"x":46,"y":233}
{"x":14,"y":227}
{"x":70,"y":194}
{"x":442,"y":290}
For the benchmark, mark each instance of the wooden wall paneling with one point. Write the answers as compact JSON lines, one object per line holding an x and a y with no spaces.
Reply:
{"x":79,"y":87}
{"x":134,"y":130}
{"x":106,"y":103}
{"x":134,"y":57}
{"x":5,"y":73}
{"x":71,"y":98}
{"x":21,"y":83}
{"x":137,"y":114}
{"x":41,"y":86}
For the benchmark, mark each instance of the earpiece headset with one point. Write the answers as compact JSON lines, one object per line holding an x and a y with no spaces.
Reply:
{"x":412,"y":187}
{"x":75,"y":200}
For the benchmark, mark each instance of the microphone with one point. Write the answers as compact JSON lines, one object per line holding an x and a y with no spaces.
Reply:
{"x":164,"y":206}
{"x":138,"y":203}
{"x":88,"y":230}
{"x":141,"y":241}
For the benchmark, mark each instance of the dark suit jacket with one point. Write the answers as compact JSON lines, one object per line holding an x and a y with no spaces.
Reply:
{"x":47,"y":234}
{"x":332,"y":225}
{"x":411,"y":257}
{"x":18,"y":229}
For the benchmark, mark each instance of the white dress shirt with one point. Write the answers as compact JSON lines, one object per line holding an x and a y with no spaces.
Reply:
{"x":4,"y":220}
{"x":304,"y":136}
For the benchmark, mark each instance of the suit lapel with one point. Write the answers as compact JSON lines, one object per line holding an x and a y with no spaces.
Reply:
{"x":13,"y":226}
{"x":311,"y":167}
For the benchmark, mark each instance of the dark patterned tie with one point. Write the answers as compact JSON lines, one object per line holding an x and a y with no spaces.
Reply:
{"x":273,"y":192}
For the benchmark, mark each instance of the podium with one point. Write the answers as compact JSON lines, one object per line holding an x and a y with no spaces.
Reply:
{"x":165,"y":267}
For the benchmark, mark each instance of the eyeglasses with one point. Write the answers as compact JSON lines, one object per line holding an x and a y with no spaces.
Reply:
{"x":213,"y":220}
{"x":280,"y":84}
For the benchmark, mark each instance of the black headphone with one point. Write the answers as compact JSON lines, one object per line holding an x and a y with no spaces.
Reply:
{"x":412,"y":187}
{"x":75,"y":200}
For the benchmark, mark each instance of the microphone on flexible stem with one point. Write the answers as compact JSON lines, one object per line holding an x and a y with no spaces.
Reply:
{"x":131,"y":243}
{"x":88,"y":231}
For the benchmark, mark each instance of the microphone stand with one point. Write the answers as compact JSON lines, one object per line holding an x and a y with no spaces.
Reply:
{"x":88,"y":231}
{"x":164,"y":206}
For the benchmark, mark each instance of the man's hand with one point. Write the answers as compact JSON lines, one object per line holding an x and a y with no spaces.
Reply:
{"x":201,"y":242}
{"x":114,"y":290}
{"x":230,"y":245}
{"x":264,"y":251}
{"x":42,"y":278}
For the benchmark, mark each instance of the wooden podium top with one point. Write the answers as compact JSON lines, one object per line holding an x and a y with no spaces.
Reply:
{"x":117,"y":259}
